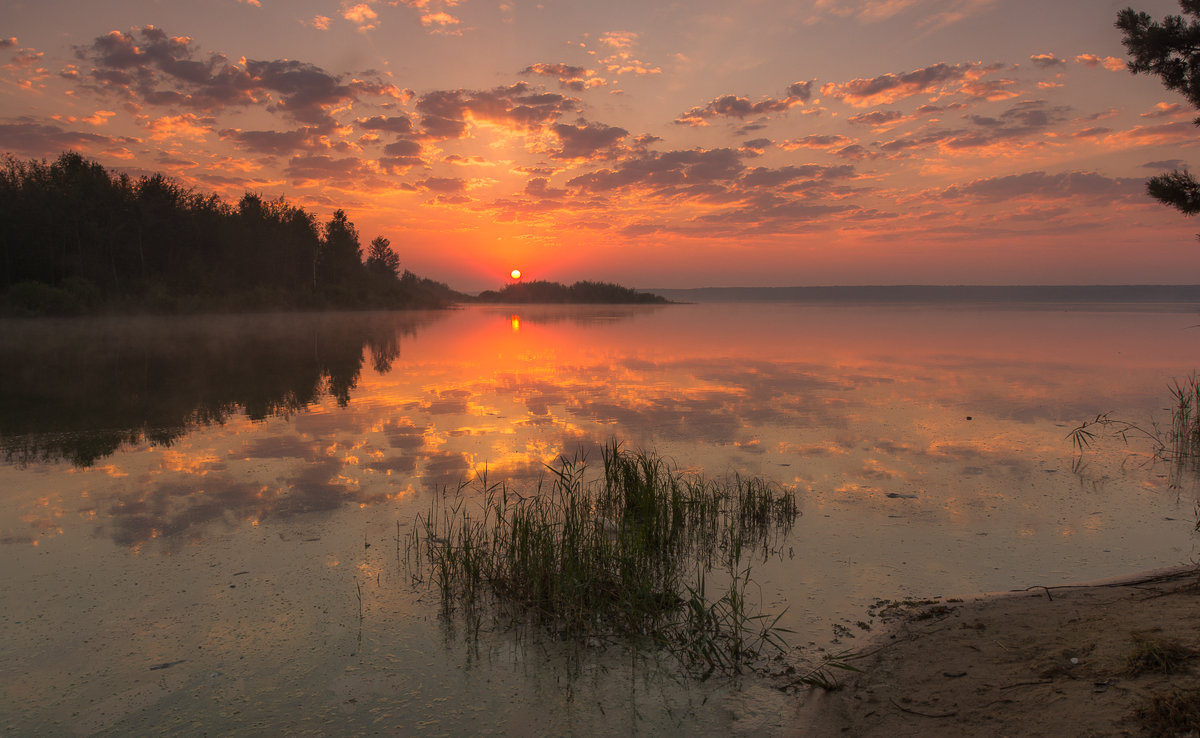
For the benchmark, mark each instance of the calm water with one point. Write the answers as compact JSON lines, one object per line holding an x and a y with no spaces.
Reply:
{"x":227,"y":496}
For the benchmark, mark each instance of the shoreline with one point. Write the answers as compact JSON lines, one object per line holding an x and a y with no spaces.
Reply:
{"x":1043,"y":661}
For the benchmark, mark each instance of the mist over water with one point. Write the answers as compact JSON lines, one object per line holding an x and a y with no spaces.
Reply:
{"x":228,"y":495}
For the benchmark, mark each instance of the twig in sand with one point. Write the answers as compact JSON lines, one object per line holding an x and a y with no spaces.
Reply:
{"x":1027,"y":684}
{"x":1040,"y":586}
{"x":902,"y":708}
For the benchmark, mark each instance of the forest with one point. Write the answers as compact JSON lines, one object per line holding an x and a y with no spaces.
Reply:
{"x":77,"y":239}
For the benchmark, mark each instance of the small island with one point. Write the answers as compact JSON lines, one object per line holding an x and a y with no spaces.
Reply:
{"x":592,"y":293}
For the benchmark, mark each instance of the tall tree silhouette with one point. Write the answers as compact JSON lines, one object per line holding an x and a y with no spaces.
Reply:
{"x":340,"y":263}
{"x":382,"y":262}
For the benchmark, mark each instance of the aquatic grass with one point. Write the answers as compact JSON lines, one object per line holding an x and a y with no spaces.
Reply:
{"x":824,"y":675}
{"x":1178,"y":444}
{"x":1184,"y":436}
{"x":597,"y":560}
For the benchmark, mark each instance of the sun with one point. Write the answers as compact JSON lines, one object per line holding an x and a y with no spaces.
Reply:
{"x":515,"y":274}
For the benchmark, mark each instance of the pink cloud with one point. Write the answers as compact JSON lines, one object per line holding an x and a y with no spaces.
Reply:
{"x":885,"y":89}
{"x":1111,"y":63}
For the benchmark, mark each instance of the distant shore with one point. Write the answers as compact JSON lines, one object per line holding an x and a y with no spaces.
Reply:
{"x":937,"y":294}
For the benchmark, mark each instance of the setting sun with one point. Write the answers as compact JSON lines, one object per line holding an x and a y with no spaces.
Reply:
{"x":515,"y":274}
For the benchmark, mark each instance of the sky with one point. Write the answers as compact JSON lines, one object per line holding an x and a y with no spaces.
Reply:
{"x":654,"y":144}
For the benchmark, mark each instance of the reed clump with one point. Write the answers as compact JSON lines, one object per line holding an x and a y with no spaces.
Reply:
{"x":1178,"y":444}
{"x":629,"y":555}
{"x":1184,"y":436}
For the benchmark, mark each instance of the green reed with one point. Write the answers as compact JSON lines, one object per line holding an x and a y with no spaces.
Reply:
{"x":625,"y":556}
{"x":1178,"y":444}
{"x":1184,"y":436}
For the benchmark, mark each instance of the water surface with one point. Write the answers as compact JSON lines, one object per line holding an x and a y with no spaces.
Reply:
{"x":203,"y":517}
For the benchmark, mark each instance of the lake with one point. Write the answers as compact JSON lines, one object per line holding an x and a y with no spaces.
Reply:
{"x":204,"y":518}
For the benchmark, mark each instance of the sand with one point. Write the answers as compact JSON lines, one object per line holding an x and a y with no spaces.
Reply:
{"x":1045,"y":662}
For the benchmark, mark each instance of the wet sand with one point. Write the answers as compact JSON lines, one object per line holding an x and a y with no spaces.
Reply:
{"x":1044,"y":662}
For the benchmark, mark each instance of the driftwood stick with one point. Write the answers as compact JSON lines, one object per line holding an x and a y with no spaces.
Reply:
{"x":901,"y":708}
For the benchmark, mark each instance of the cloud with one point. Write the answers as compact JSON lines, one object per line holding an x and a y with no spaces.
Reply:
{"x":766,"y":177}
{"x":1111,"y":63}
{"x":8,"y":43}
{"x":403,"y":148}
{"x":953,"y":11}
{"x":98,"y":118}
{"x":621,"y":59}
{"x":176,"y":127}
{"x":392,"y":124}
{"x":307,"y":138}
{"x":618,"y":39}
{"x":321,"y":22}
{"x":732,"y":106}
{"x":540,"y":187}
{"x":663,"y":171}
{"x":817,"y":142}
{"x":361,"y":15}
{"x":1176,"y":132}
{"x":150,"y":67}
{"x":880,"y":119}
{"x":991,"y":90}
{"x":568,"y":76}
{"x":934,"y":80}
{"x":444,"y":185}
{"x":856,"y":152}
{"x":755,"y":146}
{"x":1024,"y":117}
{"x":433,"y":16}
{"x":1039,"y":185}
{"x":25,"y":58}
{"x":1166,"y":110}
{"x":1022,"y":120}
{"x":449,"y":114}
{"x":1094,"y":132}
{"x":441,"y":22}
{"x":772,"y":213}
{"x":1047,"y":61}
{"x":868,"y":11}
{"x":1166,"y":164}
{"x":585,"y":141}
{"x":325,"y":170}
{"x":934,"y":13}
{"x":36,"y":138}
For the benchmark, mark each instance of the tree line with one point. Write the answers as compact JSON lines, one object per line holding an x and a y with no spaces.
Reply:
{"x":75,"y":238}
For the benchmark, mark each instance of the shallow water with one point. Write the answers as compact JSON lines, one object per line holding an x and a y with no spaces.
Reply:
{"x":203,"y":517}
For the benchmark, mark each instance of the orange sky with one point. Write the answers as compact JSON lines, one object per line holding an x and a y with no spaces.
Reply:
{"x":776,"y":142}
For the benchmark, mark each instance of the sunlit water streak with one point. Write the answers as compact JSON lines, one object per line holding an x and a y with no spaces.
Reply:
{"x":229,"y":496}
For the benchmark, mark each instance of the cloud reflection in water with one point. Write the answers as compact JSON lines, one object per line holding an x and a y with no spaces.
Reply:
{"x":265,"y":419}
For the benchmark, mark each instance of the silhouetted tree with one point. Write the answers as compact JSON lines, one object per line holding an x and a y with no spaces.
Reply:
{"x":382,"y":262}
{"x":1170,"y":50}
{"x":340,"y":261}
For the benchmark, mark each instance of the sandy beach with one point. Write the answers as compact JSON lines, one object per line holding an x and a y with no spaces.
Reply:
{"x":1086,"y":660}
